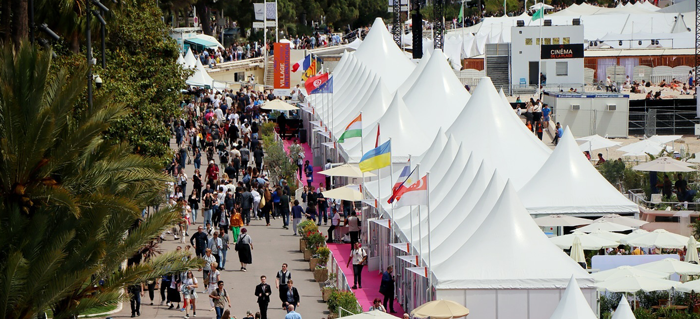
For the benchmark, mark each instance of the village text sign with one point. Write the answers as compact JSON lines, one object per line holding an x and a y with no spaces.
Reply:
{"x":562,"y":51}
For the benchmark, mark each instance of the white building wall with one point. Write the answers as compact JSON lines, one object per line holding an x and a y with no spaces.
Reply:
{"x":525,"y":49}
{"x":593,"y":115}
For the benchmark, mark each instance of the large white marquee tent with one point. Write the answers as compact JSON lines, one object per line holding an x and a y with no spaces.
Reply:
{"x":479,"y":155}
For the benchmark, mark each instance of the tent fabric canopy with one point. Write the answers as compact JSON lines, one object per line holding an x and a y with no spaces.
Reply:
{"x":573,"y":304}
{"x":580,"y":189}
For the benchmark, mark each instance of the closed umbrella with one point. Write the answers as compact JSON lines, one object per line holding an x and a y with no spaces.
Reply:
{"x":660,"y":238}
{"x":636,"y":283}
{"x":588,"y":242}
{"x":624,"y":271}
{"x":692,"y":254}
{"x":347,"y":192}
{"x":623,"y":220}
{"x":604,"y":226}
{"x":346,"y":170}
{"x":561,"y":220}
{"x":642,"y":148}
{"x":664,"y":164}
{"x":279,"y":105}
{"x":577,"y":251}
{"x":671,"y":266}
{"x":440,"y":309}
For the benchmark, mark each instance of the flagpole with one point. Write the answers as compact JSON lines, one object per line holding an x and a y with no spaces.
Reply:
{"x":430,"y":259}
{"x":391,"y":228}
{"x":539,"y":64}
{"x":420,"y":232}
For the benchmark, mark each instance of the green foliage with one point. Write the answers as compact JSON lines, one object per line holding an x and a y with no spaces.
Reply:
{"x":609,"y":303}
{"x":323,"y":254}
{"x":141,"y":74}
{"x":314,"y":240}
{"x":345,"y":300}
{"x":71,"y":200}
{"x":613,"y":171}
{"x":303,"y":225}
{"x":641,"y":313}
{"x":277,"y":161}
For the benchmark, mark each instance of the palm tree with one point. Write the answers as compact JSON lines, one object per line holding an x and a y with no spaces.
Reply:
{"x":70,"y":198}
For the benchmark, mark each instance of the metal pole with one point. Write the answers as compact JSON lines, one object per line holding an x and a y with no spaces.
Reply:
{"x":265,"y":41}
{"x":430,"y":259}
{"x":391,"y":221}
{"x":104,"y":64}
{"x":88,"y":40}
{"x":277,"y":14}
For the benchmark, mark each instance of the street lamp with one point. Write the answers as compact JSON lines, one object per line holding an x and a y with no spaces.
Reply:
{"x":98,"y":81}
{"x":88,"y":37}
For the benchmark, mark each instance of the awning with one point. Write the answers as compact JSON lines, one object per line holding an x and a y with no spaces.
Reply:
{"x":201,"y":42}
{"x":400,"y":246}
{"x":412,"y":259}
{"x":420,"y":271}
{"x":382,"y":222}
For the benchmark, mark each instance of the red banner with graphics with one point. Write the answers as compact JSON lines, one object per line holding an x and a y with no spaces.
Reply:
{"x":282,"y":66}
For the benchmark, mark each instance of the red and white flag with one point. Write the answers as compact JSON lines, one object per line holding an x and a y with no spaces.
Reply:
{"x":416,"y":194}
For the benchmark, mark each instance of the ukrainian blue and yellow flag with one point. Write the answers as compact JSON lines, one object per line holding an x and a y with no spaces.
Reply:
{"x":376,"y":158}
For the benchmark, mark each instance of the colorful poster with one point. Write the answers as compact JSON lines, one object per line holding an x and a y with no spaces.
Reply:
{"x":282,"y":67}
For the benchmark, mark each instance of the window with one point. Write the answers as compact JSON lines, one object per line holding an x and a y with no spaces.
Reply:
{"x":547,"y":41}
{"x":566,"y":40}
{"x":537,"y":42}
{"x":528,"y":41}
{"x":555,"y":40}
{"x":562,"y":68}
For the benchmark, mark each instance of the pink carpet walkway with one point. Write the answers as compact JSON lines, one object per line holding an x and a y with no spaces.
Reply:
{"x":370,"y":279}
{"x":308,"y":155}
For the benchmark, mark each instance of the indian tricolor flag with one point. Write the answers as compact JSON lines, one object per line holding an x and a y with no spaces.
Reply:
{"x":354,"y":129}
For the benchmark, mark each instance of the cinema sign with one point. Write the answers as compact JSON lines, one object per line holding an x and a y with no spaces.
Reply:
{"x":562,"y":51}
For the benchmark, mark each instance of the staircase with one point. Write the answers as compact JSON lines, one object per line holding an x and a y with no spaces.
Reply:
{"x":497,"y":68}
{"x":270,"y":72}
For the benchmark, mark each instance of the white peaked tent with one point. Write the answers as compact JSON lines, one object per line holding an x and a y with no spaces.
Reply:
{"x":397,"y":123}
{"x":190,"y":60}
{"x":453,"y":52}
{"x":354,"y":44}
{"x":573,"y":304}
{"x":519,"y":273}
{"x":200,"y":76}
{"x":372,"y":110}
{"x":415,"y":75}
{"x":181,"y":61}
{"x":488,"y":126}
{"x":437,"y":97}
{"x":579,"y":188}
{"x":623,"y":310}
{"x":379,"y":53}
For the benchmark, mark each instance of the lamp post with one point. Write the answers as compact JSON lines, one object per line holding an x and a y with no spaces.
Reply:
{"x":88,"y":38}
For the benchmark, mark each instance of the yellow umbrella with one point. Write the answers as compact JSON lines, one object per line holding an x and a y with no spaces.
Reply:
{"x":440,"y":309}
{"x":279,"y":105}
{"x":347,"y":192}
{"x":346,"y":170}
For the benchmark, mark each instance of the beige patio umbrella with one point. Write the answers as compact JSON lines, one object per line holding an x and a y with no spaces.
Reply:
{"x":604,"y":226}
{"x":660,"y":238}
{"x":664,"y":164}
{"x":671,"y":266}
{"x":636,"y":283}
{"x":348,"y":192}
{"x":616,"y":237}
{"x":623,"y":220}
{"x":624,"y":271}
{"x":588,"y":242}
{"x":279,"y":105}
{"x":346,"y":170}
{"x":577,"y":251}
{"x":561,"y":220}
{"x":440,"y":309}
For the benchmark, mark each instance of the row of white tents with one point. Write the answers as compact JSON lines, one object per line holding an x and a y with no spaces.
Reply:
{"x":633,"y":24}
{"x":200,"y":77}
{"x":488,"y":173}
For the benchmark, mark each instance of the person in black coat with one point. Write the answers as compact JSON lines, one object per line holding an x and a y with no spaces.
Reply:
{"x":386,"y":288}
{"x":291,"y":295}
{"x":263,"y":291}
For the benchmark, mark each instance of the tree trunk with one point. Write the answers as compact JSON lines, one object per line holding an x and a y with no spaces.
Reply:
{"x":6,"y":8}
{"x":75,"y":42}
{"x":20,"y":21}
{"x":204,"y":17}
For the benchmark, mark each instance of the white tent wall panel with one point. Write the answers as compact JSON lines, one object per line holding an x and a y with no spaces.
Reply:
{"x":511,"y":303}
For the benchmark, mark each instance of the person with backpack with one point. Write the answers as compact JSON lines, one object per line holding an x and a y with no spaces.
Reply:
{"x":220,"y":297}
{"x":309,"y":172}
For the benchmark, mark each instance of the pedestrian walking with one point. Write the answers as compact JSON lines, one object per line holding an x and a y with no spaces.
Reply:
{"x":263,"y":291}
{"x":220,"y":298}
{"x":213,"y":281}
{"x":386,"y":288}
{"x":189,"y":293}
{"x":297,"y":213}
{"x":136,"y":292}
{"x":291,"y":314}
{"x":291,"y":295}
{"x":335,"y":222}
{"x":225,"y":240}
{"x":283,"y":277}
{"x":354,"y":228}
{"x":236,"y":224}
{"x":358,"y":257}
{"x":244,"y":247}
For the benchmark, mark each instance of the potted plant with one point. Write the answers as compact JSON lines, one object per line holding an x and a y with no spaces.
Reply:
{"x":321,"y":273}
{"x":343,"y":299}
{"x":313,"y":262}
{"x":300,"y":230}
{"x":314,"y":240}
{"x":323,"y":255}
{"x":326,"y":292}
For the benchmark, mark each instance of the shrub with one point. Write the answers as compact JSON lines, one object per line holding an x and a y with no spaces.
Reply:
{"x":308,"y":229}
{"x":345,"y":300}
{"x":314,"y":240}
{"x":301,"y":227}
{"x":323,"y":254}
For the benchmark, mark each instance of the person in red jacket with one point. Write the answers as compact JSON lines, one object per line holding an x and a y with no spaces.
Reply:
{"x":212,"y":173}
